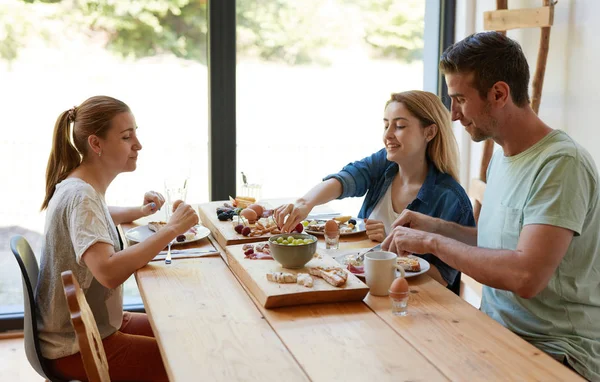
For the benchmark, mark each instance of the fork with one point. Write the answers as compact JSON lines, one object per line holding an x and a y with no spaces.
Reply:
{"x":361,"y":256}
{"x":168,"y":258}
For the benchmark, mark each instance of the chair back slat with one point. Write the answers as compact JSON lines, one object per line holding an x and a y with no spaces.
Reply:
{"x":86,"y":329}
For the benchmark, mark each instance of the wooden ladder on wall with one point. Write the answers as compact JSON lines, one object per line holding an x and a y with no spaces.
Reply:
{"x":502,"y":20}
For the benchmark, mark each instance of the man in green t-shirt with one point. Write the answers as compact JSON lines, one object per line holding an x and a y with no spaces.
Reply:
{"x":537,"y":245}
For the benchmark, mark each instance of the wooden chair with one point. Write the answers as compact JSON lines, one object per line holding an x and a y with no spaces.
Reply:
{"x":502,"y":20}
{"x":88,"y":337}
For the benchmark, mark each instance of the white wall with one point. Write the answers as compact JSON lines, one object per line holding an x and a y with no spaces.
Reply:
{"x":571,"y":92}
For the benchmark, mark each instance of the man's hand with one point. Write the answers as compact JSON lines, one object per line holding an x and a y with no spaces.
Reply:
{"x":375,"y":230}
{"x":416,"y":220}
{"x":405,"y":241}
{"x":153,"y":201}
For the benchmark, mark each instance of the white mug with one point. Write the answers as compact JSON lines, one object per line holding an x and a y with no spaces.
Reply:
{"x":380,"y":271}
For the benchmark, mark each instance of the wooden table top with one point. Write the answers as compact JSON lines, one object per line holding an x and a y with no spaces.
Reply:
{"x":210,"y":327}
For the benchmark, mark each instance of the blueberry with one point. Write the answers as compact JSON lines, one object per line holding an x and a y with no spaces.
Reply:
{"x":180,"y":238}
{"x":352,"y":221}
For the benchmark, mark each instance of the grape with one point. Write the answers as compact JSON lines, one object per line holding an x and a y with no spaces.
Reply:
{"x":249,"y":251}
{"x":305,"y":223}
{"x":290,"y":239}
{"x":352,"y":221}
{"x":180,"y":238}
{"x":299,"y":228}
{"x":238,"y":228}
{"x":280,"y":239}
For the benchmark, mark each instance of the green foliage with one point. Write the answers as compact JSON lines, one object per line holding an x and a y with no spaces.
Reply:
{"x":290,"y":31}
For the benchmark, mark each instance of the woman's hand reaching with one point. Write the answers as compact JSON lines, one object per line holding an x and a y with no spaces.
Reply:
{"x":294,"y":213}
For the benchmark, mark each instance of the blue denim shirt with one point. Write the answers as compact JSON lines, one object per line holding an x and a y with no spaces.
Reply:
{"x":440,"y":196}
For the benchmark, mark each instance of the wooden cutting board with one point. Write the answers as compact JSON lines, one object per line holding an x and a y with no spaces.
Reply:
{"x":253,"y":273}
{"x":223,"y":231}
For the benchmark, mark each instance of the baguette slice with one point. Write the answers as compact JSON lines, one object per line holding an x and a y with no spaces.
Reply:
{"x":409,"y":263}
{"x":282,"y":278}
{"x":335,"y":276}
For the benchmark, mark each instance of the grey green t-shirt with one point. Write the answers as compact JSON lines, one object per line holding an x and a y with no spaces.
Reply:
{"x":554,"y":182}
{"x":77,"y":218}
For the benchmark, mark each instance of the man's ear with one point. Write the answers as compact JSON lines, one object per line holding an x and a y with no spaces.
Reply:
{"x":95,"y":144}
{"x":499,"y":94}
{"x":430,"y":132}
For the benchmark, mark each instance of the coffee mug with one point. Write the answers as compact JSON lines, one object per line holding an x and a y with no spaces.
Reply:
{"x":380,"y":271}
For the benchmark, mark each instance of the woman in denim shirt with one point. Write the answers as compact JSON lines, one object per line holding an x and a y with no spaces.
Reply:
{"x":416,"y":170}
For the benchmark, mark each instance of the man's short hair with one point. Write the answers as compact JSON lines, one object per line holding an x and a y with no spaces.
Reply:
{"x":492,"y":57}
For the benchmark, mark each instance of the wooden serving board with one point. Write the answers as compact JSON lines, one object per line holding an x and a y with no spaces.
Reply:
{"x":223,"y":231}
{"x":253,"y":274}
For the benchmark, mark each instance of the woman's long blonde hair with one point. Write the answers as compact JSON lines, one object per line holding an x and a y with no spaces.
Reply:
{"x":442,"y":150}
{"x":92,"y":117}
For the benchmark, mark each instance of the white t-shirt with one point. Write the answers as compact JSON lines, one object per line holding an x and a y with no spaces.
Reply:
{"x":77,"y":218}
{"x":384,"y":211}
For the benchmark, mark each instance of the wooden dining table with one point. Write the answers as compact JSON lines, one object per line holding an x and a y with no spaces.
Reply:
{"x":210,"y":327}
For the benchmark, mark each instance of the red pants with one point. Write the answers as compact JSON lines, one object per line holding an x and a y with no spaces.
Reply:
{"x":132,"y":354}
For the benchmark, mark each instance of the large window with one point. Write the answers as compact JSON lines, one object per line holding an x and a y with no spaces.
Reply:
{"x":312,"y":80}
{"x":54,"y":55}
{"x":312,"y":83}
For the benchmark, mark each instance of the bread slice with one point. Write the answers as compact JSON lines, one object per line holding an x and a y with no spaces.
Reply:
{"x":282,"y":277}
{"x":409,"y":263}
{"x":305,"y":280}
{"x":335,"y":276}
{"x":156,"y":226}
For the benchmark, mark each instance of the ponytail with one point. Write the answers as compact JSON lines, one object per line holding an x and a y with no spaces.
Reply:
{"x":64,"y":157}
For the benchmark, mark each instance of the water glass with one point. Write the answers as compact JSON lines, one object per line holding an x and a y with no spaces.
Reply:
{"x":399,"y":303}
{"x":175,"y":189}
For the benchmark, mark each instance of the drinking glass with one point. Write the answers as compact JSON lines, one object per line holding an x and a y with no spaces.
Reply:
{"x":175,"y":189}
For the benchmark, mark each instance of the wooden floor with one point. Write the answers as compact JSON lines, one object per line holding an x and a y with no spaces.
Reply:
{"x":13,"y":362}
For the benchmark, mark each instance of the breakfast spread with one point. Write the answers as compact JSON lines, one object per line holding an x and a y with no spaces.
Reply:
{"x":260,"y":251}
{"x":345,"y":224}
{"x":409,"y":263}
{"x":190,"y":234}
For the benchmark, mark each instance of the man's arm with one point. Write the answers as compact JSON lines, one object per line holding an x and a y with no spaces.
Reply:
{"x":525,"y":271}
{"x":419,"y":221}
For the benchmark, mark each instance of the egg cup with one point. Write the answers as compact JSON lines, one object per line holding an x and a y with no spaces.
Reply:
{"x":332,"y":239}
{"x":399,"y":303}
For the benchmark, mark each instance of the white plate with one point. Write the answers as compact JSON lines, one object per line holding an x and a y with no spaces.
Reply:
{"x":141,"y":233}
{"x":341,"y":258}
{"x":358,"y":228}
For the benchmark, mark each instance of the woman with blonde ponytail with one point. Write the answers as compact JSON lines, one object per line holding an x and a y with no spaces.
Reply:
{"x":416,"y":170}
{"x":92,"y":144}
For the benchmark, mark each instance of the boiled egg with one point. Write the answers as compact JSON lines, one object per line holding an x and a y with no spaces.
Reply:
{"x":331,"y":226}
{"x":257,"y":208}
{"x":399,"y":285}
{"x":249,"y":214}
